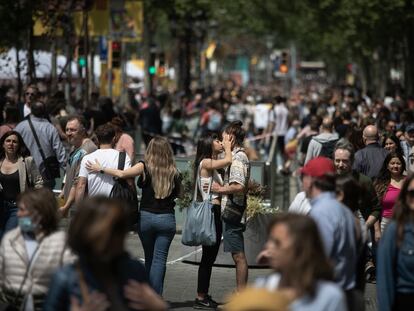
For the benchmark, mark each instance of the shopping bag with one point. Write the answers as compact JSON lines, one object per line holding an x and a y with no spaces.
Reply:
{"x":199,"y":227}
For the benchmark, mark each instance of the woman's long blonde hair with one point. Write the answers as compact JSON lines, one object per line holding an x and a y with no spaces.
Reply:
{"x":160,"y":162}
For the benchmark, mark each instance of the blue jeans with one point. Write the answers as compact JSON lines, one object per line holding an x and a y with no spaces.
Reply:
{"x":8,"y":217}
{"x":156,"y":232}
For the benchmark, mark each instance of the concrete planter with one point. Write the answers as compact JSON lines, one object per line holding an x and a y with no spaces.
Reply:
{"x":254,"y":239}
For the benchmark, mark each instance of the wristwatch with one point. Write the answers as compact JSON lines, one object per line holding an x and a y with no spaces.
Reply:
{"x":102,"y":170}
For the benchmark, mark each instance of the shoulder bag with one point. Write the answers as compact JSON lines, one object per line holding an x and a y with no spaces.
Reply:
{"x":50,"y":164}
{"x":199,"y":227}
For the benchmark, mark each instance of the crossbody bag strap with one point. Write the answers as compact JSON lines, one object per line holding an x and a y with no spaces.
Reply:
{"x":36,"y":139}
{"x":121,"y":161}
{"x":26,"y":274}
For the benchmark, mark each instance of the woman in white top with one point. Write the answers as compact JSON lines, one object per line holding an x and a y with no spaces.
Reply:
{"x":206,"y":165}
{"x":302,"y":271}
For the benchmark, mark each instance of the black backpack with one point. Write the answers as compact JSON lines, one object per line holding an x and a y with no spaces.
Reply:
{"x":123,"y":191}
{"x":328,"y":148}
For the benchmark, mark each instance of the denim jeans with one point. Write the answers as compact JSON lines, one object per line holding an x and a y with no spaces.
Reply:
{"x":156,"y":232}
{"x":8,"y":217}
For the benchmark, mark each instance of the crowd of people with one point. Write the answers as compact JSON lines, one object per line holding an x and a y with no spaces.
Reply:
{"x":352,"y":222}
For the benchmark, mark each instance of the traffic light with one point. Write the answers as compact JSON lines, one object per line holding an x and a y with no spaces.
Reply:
{"x":284,"y":62}
{"x":116,"y":54}
{"x":161,"y":65}
{"x":81,"y":55}
{"x":152,"y":70}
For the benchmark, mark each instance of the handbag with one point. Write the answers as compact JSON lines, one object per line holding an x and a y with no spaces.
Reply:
{"x":123,"y":191}
{"x":233,"y":212}
{"x":50,"y":165}
{"x":199,"y":227}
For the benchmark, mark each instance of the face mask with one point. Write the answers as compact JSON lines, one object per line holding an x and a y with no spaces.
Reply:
{"x":26,"y":224}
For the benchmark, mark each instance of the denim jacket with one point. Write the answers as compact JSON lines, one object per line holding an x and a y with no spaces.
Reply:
{"x":65,"y":282}
{"x":395,"y":265}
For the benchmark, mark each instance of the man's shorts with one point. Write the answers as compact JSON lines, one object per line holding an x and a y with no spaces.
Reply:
{"x":233,"y":240}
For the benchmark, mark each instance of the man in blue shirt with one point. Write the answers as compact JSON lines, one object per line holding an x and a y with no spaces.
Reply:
{"x":335,"y":221}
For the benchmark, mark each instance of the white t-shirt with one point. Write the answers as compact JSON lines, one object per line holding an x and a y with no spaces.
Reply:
{"x":26,"y":110}
{"x":300,"y":204}
{"x":281,"y":119}
{"x":101,"y":184}
{"x":261,"y":115}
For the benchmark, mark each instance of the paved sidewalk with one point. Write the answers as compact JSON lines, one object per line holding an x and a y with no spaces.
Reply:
{"x":181,"y":278}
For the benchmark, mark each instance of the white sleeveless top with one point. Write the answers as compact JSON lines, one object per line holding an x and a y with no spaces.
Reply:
{"x":206,"y":180}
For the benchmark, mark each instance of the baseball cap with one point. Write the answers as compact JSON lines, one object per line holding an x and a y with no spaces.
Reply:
{"x":261,"y":299}
{"x":318,"y":167}
{"x":410,"y":128}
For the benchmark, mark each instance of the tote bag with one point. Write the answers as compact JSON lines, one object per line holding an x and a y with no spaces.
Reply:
{"x":199,"y":227}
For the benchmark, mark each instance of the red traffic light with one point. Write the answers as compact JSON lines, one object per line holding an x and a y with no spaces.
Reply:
{"x":116,"y":45}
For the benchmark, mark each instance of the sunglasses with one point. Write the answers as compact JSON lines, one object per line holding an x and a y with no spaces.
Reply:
{"x":30,"y":94}
{"x":410,"y":193}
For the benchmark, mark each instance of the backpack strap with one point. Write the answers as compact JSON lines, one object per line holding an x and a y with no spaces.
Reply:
{"x":121,"y":161}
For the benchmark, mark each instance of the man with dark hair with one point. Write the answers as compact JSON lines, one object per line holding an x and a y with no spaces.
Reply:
{"x":42,"y":140}
{"x":407,"y":146}
{"x":369,"y":206}
{"x":100,"y":183}
{"x":335,"y":221}
{"x":234,"y":200}
{"x":76,"y":133}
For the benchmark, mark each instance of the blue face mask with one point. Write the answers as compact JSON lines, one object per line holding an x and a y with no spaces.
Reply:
{"x":26,"y":224}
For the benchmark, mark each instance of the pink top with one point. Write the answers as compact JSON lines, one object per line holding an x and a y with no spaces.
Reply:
{"x":5,"y":128}
{"x":126,"y":144}
{"x":388,"y":201}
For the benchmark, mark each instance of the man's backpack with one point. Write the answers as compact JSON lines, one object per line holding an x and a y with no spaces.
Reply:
{"x":328,"y":148}
{"x":123,"y":191}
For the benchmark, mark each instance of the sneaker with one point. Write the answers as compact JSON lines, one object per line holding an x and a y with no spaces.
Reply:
{"x":206,"y":304}
{"x":370,"y":272}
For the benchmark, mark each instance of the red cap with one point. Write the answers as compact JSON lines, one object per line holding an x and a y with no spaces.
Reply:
{"x":318,"y":167}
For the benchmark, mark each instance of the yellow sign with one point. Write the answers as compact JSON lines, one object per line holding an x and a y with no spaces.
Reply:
{"x":40,"y":29}
{"x":98,"y":19}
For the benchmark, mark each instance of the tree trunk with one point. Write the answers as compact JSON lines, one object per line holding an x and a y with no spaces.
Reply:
{"x":409,"y":61}
{"x":31,"y":70}
{"x":19,"y":78}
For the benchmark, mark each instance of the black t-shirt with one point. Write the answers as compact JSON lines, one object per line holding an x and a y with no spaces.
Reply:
{"x":11,"y":186}
{"x":148,"y":201}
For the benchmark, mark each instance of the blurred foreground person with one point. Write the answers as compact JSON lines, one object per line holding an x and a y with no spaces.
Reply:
{"x":254,"y":299}
{"x":105,"y":277}
{"x":395,"y":258}
{"x":160,"y":182}
{"x":17,"y":173}
{"x":302,"y":271}
{"x":31,"y":253}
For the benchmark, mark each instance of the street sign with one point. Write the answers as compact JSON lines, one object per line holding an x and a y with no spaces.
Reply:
{"x":103,"y":49}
